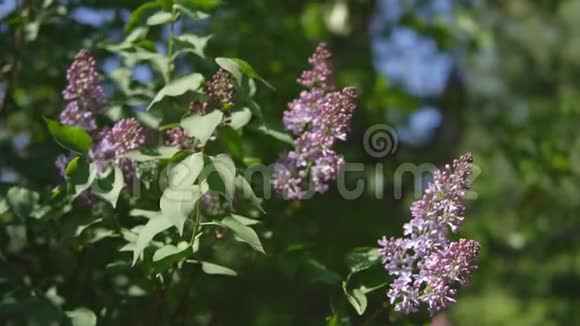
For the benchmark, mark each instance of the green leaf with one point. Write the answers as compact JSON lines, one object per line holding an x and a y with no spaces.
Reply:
{"x":154,"y":226}
{"x":164,"y":252}
{"x":80,"y":174}
{"x":193,"y":14}
{"x":204,"y":5}
{"x":361,"y":259}
{"x":226,"y":169}
{"x":22,"y":201}
{"x":178,"y":87}
{"x":245,"y":220}
{"x":246,"y":191}
{"x":72,"y":138}
{"x":159,"y":18}
{"x":197,"y":43}
{"x":80,"y":228}
{"x":366,"y":290}
{"x":256,"y":110}
{"x":202,"y":127}
{"x":145,"y":213}
{"x":238,"y":67}
{"x":240,"y":118}
{"x":138,"y":14}
{"x":82,"y":317}
{"x":110,"y":186}
{"x":166,"y":256}
{"x":159,"y":153}
{"x":283,"y":137}
{"x":184,"y":173}
{"x":358,"y":300}
{"x":4,"y":206}
{"x":243,"y":233}
{"x":232,"y":140}
{"x":215,"y":269}
{"x":159,"y":61}
{"x":149,"y":119}
{"x":178,"y":203}
{"x":320,"y":273}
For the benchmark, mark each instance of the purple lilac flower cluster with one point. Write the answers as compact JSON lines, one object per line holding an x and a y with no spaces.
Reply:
{"x":83,"y":92}
{"x":125,"y":136}
{"x":86,"y":99}
{"x":318,"y":118}
{"x":426,"y":264}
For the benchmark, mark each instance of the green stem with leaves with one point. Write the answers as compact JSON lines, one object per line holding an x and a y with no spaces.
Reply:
{"x":170,"y":48}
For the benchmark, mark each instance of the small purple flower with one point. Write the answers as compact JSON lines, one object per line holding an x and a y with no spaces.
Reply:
{"x":84,"y":84}
{"x":428,"y":266}
{"x":72,"y":115}
{"x":318,"y":117}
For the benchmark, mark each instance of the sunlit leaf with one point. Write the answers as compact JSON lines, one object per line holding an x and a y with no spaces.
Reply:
{"x":357,"y":299}
{"x":80,"y":174}
{"x":139,"y":14}
{"x":168,"y":255}
{"x":200,"y":126}
{"x":178,"y":203}
{"x":197,"y":43}
{"x":226,"y":169}
{"x":204,"y":5}
{"x":153,"y":227}
{"x":215,"y":269}
{"x":283,"y":137}
{"x":362,"y":258}
{"x":241,"y":118}
{"x":238,"y":67}
{"x":243,"y":233}
{"x":159,"y":153}
{"x":245,"y":220}
{"x":244,"y":189}
{"x":178,"y":87}
{"x":110,"y":186}
{"x":82,"y":317}
{"x":159,"y":18}
{"x":184,"y":173}
{"x":72,"y":138}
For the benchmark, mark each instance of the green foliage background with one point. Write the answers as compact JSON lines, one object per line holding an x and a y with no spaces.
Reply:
{"x":516,"y":112}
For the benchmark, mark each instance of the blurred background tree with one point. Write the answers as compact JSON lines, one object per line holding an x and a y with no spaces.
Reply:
{"x":496,"y":78}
